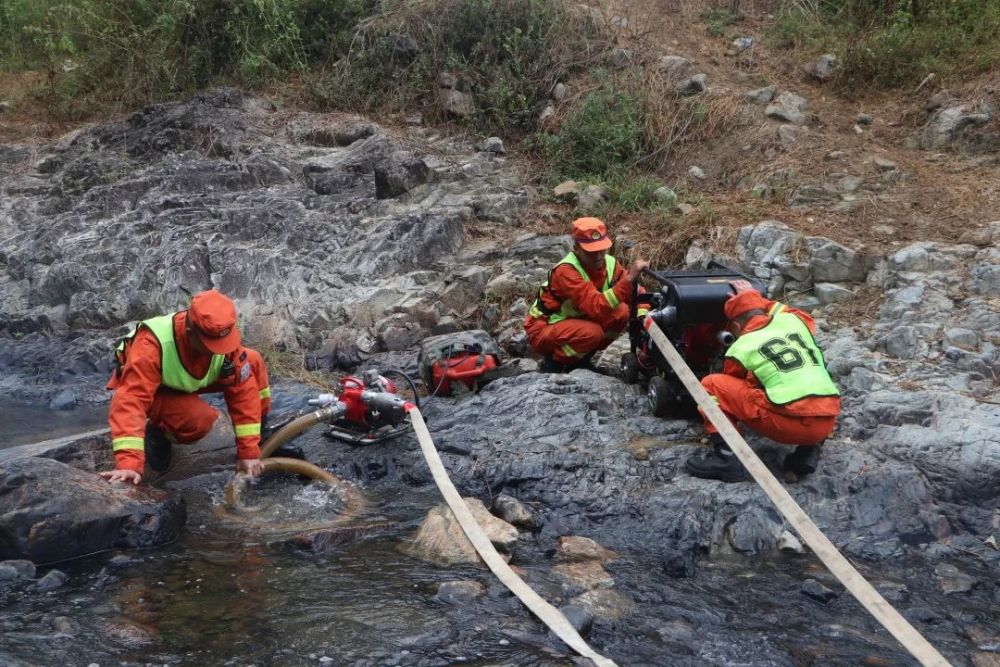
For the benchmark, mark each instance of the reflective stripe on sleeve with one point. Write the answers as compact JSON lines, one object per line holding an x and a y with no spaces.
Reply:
{"x":265,"y":392}
{"x":246,"y":429}
{"x":127,"y":442}
{"x":612,"y":298}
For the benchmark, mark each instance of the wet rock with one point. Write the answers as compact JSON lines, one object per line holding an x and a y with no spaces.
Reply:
{"x":894,"y":592}
{"x":574,"y":548}
{"x":605,"y":603}
{"x":789,"y":543}
{"x":677,"y":632}
{"x":64,"y":400}
{"x":581,"y":619}
{"x":514,"y":512}
{"x":16,"y":570}
{"x":52,"y":580}
{"x":817,"y":591}
{"x":788,"y":107}
{"x":583,"y":575}
{"x":761,"y":95}
{"x":679,"y":564}
{"x":459,"y":592}
{"x":984,"y":659}
{"x":440,"y":538}
{"x":54,"y":512}
{"x":952,"y":580}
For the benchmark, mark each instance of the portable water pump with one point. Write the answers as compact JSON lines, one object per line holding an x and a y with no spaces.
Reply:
{"x":367,"y":410}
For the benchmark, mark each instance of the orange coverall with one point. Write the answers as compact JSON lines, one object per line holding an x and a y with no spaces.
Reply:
{"x":603,"y":325}
{"x":184,"y":417}
{"x":807,"y":421}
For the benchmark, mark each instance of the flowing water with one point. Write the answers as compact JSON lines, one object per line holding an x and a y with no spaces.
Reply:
{"x":21,"y":423}
{"x":233,"y":592}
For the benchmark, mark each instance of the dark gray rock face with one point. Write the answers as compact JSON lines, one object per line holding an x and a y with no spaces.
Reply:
{"x":327,"y":224}
{"x":50,"y":512}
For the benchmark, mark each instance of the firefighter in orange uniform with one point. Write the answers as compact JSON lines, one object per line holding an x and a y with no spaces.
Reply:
{"x":774,"y":381}
{"x":162,"y":367}
{"x":584,"y":305}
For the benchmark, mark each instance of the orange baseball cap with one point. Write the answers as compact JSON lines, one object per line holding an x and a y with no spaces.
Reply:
{"x":213,"y":315}
{"x":590,"y":234}
{"x":744,"y":302}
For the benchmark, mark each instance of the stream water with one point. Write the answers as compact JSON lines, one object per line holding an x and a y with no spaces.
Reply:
{"x":21,"y":423}
{"x":231,"y":592}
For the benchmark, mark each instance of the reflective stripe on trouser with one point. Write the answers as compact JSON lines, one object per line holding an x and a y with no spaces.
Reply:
{"x":736,"y":398}
{"x":570,"y":340}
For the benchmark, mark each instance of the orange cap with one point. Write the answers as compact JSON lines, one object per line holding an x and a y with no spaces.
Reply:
{"x":213,"y":315}
{"x":744,"y":302}
{"x":590,"y":234}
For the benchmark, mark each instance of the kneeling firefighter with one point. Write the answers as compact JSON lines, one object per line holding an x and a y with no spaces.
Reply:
{"x":774,"y":380}
{"x":584,"y":305}
{"x":163,"y":365}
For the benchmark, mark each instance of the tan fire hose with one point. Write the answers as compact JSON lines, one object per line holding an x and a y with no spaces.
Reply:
{"x":545,"y":612}
{"x":852,"y":580}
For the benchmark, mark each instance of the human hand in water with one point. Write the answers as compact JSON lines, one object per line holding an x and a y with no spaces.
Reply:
{"x":252,"y":467}
{"x":122,"y":476}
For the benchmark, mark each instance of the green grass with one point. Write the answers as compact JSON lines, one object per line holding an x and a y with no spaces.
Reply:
{"x":895,"y":43}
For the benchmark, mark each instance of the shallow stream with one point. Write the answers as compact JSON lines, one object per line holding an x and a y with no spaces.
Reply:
{"x":233,"y":592}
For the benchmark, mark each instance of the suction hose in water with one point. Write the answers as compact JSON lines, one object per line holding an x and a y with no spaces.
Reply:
{"x":296,"y":427}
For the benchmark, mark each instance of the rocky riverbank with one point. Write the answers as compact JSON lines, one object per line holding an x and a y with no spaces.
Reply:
{"x":348,"y":244}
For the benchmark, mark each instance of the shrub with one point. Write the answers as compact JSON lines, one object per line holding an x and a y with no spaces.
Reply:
{"x":603,"y":137}
{"x":506,"y":54}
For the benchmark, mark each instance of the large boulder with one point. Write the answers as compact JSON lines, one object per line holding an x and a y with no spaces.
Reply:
{"x":50,"y":512}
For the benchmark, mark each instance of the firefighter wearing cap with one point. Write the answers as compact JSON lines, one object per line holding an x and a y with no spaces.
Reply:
{"x":774,"y":380}
{"x":163,"y":365}
{"x":583,"y":306}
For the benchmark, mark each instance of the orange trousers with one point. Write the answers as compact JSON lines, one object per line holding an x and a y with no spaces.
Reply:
{"x":744,"y":403}
{"x":186,"y":418}
{"x":571,"y":340}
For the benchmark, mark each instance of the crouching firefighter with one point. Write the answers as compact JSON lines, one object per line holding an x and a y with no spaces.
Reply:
{"x":163,"y":365}
{"x":584,"y":305}
{"x":774,"y":381}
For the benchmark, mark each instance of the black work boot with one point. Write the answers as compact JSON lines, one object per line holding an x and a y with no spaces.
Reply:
{"x":265,"y":428}
{"x":550,"y":365}
{"x":803,"y":461}
{"x":720,"y":464}
{"x":157,"y":449}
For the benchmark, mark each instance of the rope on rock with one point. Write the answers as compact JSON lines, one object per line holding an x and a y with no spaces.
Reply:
{"x":852,"y":580}
{"x":545,"y":612}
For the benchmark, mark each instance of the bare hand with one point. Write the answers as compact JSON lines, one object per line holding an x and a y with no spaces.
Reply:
{"x":636,"y":268}
{"x":740,"y":286}
{"x":122,"y":476}
{"x":252,"y":467}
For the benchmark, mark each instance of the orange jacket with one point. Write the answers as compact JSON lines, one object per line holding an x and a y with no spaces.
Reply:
{"x":136,"y":387}
{"x":566,"y":283}
{"x":811,"y":406}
